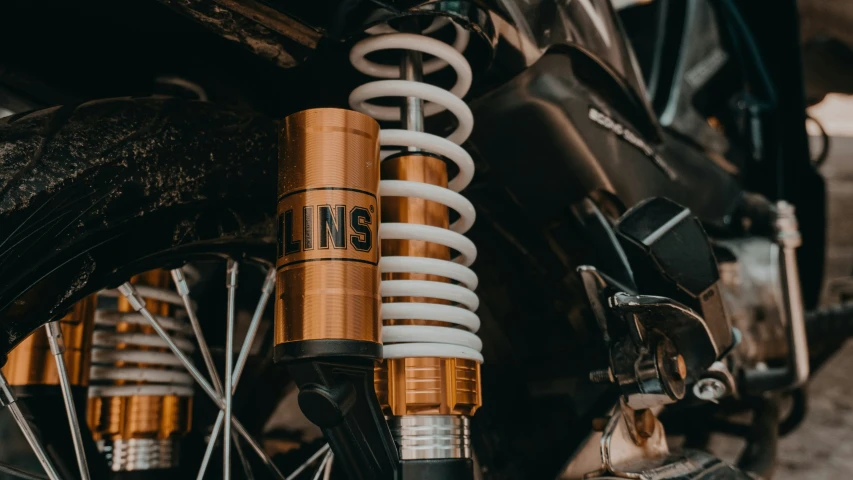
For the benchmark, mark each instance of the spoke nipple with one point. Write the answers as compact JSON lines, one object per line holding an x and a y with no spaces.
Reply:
{"x":231,"y":271}
{"x":180,"y":282}
{"x":54,"y":338}
{"x":133,"y":297}
{"x":6,"y":396}
{"x":269,"y":284}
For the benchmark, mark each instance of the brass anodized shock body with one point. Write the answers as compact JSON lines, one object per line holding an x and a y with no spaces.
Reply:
{"x":422,"y":386}
{"x":32,"y":363}
{"x":140,"y":417}
{"x":328,"y":216}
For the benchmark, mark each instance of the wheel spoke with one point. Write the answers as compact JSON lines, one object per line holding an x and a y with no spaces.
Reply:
{"x":8,"y":400}
{"x":57,"y":348}
{"x":17,"y":472}
{"x":257,"y":448}
{"x":231,"y":274}
{"x":247,"y":468}
{"x":322,"y":467}
{"x":328,"y":473}
{"x":184,"y":291}
{"x":307,"y":463}
{"x":214,"y":433}
{"x":138,"y":304}
{"x":266,"y":292}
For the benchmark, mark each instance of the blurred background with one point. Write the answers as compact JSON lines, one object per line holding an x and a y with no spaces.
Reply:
{"x":821,"y":447}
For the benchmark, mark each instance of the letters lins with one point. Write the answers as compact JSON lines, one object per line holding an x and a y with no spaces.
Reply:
{"x":324,"y":227}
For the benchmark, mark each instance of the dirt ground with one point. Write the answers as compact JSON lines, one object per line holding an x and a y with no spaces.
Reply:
{"x":823,"y":445}
{"x":822,"y":448}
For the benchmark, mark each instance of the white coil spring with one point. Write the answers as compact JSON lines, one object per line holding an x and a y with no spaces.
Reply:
{"x":162,"y":373}
{"x":405,"y":341}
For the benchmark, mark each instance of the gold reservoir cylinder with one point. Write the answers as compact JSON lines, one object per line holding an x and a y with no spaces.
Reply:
{"x":32,"y":363}
{"x":328,"y":253}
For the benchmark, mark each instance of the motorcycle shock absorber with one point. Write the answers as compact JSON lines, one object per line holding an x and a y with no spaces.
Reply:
{"x":429,"y":381}
{"x":140,"y":398}
{"x":328,"y":327}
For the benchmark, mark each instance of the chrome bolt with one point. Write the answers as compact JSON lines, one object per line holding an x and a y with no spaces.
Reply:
{"x":604,"y":375}
{"x":709,"y":389}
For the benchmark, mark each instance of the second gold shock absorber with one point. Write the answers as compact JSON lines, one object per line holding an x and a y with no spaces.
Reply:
{"x":140,"y":398}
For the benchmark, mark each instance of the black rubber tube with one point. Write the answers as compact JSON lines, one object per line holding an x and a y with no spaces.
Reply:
{"x":830,"y":323}
{"x":760,"y":455}
{"x":799,"y":408}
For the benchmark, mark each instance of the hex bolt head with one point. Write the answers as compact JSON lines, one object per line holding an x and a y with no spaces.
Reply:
{"x":709,"y":389}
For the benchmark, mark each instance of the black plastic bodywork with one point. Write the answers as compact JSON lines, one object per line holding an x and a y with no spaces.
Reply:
{"x":557,"y":120}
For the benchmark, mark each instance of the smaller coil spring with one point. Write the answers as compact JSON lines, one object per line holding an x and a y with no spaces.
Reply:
{"x":129,"y":358}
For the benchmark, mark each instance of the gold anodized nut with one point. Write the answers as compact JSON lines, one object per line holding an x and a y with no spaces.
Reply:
{"x":428,"y":386}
